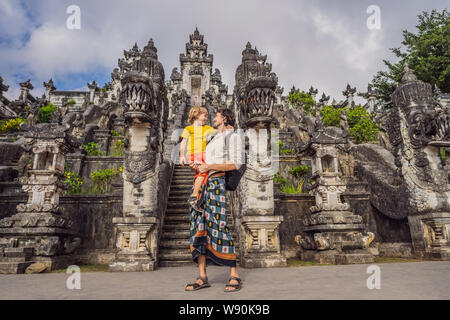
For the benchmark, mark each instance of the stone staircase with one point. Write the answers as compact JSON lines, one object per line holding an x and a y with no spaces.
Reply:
{"x":174,"y":246}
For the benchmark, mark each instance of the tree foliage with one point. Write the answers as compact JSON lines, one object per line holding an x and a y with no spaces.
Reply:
{"x":427,"y":53}
{"x":362,"y":128}
{"x":45,"y":113}
{"x":302,"y":99}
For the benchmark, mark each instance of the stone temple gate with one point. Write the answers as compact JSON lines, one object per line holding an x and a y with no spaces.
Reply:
{"x":358,"y":201}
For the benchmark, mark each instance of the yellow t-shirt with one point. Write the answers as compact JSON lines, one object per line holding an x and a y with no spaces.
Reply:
{"x":197,"y":138}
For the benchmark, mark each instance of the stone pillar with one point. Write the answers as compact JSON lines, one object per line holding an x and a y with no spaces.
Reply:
{"x":40,"y":230}
{"x":253,"y":201}
{"x":313,"y":93}
{"x":142,"y":98}
{"x":25,"y":88}
{"x":371,"y":97}
{"x":49,"y":88}
{"x":332,"y":233}
{"x":348,"y":93}
{"x":92,"y":88}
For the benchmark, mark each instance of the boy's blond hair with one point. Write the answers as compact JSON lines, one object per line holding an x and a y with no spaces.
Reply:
{"x":195,"y":112}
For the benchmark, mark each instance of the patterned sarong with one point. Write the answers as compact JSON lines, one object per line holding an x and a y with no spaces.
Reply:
{"x":210,"y":235}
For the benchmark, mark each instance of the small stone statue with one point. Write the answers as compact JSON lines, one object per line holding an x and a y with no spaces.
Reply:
{"x":24,"y":164}
{"x":56,"y":117}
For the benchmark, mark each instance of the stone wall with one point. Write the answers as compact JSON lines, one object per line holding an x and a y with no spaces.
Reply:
{"x":293,"y":208}
{"x":389,"y":233}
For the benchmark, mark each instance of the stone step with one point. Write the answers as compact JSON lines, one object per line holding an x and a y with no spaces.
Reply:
{"x":175,"y":244}
{"x":185,"y":170}
{"x":13,"y":259}
{"x":169,"y":263}
{"x":18,"y":252}
{"x":180,"y":187}
{"x":177,"y":204}
{"x":176,"y":218}
{"x":177,"y":211}
{"x":13,"y":267}
{"x":178,"y":191}
{"x":178,"y":198}
{"x":175,"y":235}
{"x":183,"y":174}
{"x":175,"y":256}
{"x":182,"y":226}
{"x":182,"y":181}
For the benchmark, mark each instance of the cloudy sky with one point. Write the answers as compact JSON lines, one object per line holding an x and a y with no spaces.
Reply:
{"x":321,"y":43}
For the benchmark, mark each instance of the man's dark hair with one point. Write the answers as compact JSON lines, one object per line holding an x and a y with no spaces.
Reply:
{"x":229,"y":115}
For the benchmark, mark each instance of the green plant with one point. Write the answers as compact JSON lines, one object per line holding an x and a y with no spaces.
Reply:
{"x":284,"y":150}
{"x":118,"y":150}
{"x":303,"y":99}
{"x":426,"y":52}
{"x":442,"y":153}
{"x":45,"y":113}
{"x":290,"y":188}
{"x":72,"y":101}
{"x":92,"y":149}
{"x":11,"y":125}
{"x":114,"y":133}
{"x":330,"y":116}
{"x":299,"y":171}
{"x":279,"y":179}
{"x":362,"y":127}
{"x":101,"y":180}
{"x":73,"y":182}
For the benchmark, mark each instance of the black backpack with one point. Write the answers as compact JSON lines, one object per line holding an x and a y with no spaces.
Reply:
{"x":233,"y":177}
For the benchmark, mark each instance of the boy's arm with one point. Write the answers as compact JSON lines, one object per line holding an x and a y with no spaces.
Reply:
{"x":182,"y":150}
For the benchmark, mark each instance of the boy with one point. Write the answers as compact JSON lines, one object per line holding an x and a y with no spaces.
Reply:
{"x":197,"y":134}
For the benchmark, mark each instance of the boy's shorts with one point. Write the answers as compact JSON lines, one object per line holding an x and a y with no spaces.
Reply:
{"x":199,"y":157}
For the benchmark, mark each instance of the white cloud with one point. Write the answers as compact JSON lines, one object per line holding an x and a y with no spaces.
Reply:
{"x":358,"y":48}
{"x":324,"y":44}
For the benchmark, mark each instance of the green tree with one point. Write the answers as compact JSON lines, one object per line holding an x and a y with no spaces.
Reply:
{"x":427,"y":53}
{"x":45,"y":113}
{"x":362,"y":128}
{"x":330,"y":116}
{"x":300,"y":98}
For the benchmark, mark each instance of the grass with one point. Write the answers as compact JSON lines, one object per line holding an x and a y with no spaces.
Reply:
{"x":86,"y":268}
{"x":395,"y":260}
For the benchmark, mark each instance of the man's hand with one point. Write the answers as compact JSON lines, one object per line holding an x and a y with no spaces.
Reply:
{"x":203,"y":168}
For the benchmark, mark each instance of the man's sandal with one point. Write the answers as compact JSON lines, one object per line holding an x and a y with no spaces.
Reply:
{"x":196,"y":286}
{"x":236,"y":286}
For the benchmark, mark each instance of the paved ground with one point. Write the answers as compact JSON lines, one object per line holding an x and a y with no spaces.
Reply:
{"x":415,"y":280}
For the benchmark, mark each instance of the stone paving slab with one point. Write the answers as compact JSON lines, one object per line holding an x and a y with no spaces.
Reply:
{"x":416,"y":280}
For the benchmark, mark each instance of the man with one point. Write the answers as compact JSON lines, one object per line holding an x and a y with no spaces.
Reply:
{"x":211,"y":241}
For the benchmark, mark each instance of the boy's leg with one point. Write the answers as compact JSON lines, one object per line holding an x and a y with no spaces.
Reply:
{"x":197,"y":184}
